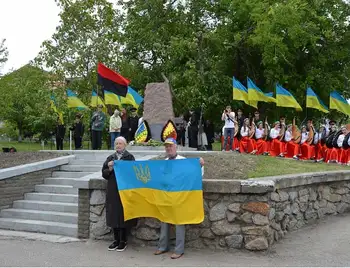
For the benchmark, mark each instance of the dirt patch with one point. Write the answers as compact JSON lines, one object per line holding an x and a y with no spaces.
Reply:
{"x":20,"y":158}
{"x":225,"y":166}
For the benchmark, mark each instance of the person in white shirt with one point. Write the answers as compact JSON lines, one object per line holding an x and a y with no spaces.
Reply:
{"x":277,"y":146}
{"x":307,"y":150}
{"x":261,"y":143}
{"x":115,"y":124}
{"x":247,"y":145}
{"x":319,"y":140}
{"x":229,"y":128}
{"x":291,"y":148}
{"x":163,"y":247}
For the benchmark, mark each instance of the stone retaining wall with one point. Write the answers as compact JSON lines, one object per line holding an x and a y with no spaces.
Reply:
{"x":249,"y":214}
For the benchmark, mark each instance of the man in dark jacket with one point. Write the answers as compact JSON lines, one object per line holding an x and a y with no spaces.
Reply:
{"x":97,"y":125}
{"x":60,"y":132}
{"x":78,"y":128}
{"x":114,"y":206}
{"x":133,"y":123}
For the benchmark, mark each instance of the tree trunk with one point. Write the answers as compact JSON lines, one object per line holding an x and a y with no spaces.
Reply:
{"x":20,"y":132}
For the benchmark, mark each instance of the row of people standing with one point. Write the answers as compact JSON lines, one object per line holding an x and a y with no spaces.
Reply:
{"x":254,"y":137}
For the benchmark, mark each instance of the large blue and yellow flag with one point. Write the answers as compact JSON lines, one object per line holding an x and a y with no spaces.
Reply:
{"x":337,"y":102}
{"x":240,"y":92}
{"x":74,"y":102}
{"x":96,"y":100}
{"x":132,"y":98}
{"x":313,"y":101}
{"x":285,"y":99}
{"x":168,"y":190}
{"x":111,"y":98}
{"x":256,"y":94}
{"x":54,"y":108}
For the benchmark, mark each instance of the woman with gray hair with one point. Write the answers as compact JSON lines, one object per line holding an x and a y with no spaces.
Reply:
{"x":115,"y":124}
{"x":114,"y":206}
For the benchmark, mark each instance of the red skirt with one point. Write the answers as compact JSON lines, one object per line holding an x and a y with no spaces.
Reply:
{"x":247,"y":145}
{"x":292,"y":149}
{"x":307,"y":151}
{"x":320,"y":151}
{"x":261,"y":146}
{"x":332,"y":155}
{"x":276,"y":147}
{"x":344,"y":156}
{"x":235,"y":143}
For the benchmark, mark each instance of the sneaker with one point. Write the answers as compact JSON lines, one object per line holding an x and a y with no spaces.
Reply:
{"x":114,"y":245}
{"x":122,"y":246}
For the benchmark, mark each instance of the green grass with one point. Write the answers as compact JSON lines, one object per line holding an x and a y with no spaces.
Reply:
{"x":271,"y":166}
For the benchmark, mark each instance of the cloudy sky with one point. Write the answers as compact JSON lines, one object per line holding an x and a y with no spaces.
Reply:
{"x":26,"y":24}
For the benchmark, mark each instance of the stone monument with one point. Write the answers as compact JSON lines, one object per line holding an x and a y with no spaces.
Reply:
{"x":158,"y":107}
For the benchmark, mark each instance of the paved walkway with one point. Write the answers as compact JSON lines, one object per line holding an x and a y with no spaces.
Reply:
{"x":325,"y":244}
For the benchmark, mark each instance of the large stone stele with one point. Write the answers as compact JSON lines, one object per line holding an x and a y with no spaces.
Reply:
{"x":158,"y":107}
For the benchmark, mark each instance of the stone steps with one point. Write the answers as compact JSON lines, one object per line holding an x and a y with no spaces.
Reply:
{"x":63,"y":198}
{"x":79,"y":168}
{"x":46,"y":206}
{"x":69,"y":174}
{"x":56,"y":189}
{"x":40,"y":215}
{"x":87,"y":162}
{"x":48,"y":227}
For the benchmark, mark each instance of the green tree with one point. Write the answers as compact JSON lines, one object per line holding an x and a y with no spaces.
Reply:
{"x":3,"y":53}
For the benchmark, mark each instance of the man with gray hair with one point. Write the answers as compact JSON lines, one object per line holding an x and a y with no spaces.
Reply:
{"x":163,"y":247}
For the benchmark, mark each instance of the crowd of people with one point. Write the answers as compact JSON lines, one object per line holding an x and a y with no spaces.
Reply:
{"x":328,"y":143}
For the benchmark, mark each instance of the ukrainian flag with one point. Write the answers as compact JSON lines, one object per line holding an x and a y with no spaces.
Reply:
{"x":241,"y":93}
{"x":132,"y":98}
{"x":96,"y":100}
{"x":168,"y":190}
{"x":286,"y":99}
{"x":54,"y":108}
{"x":337,"y":102}
{"x":111,"y":98}
{"x":255,"y":93}
{"x":313,"y":101}
{"x":74,"y":102}
{"x":270,"y":96}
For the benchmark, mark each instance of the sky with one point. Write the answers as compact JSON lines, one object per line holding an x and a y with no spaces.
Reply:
{"x":25,"y":24}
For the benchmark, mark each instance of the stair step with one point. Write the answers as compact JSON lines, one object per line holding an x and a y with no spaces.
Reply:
{"x":40,"y":215}
{"x":87,"y":162}
{"x":81,"y":168}
{"x":69,"y":174}
{"x":56,"y":189}
{"x":48,"y":227}
{"x":46,"y":206}
{"x":61,"y":181}
{"x":63,"y":198}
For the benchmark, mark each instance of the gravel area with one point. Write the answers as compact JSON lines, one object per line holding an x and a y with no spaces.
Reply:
{"x":20,"y":158}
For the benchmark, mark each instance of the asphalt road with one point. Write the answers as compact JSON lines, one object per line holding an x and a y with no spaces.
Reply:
{"x":324,"y":244}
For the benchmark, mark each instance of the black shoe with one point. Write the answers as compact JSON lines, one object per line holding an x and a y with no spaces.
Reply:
{"x":114,"y":245}
{"x":122,"y":246}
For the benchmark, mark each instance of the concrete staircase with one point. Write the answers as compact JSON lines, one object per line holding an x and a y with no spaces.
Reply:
{"x":53,"y":207}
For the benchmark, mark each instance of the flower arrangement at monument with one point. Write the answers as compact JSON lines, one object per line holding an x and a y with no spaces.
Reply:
{"x":143,"y":135}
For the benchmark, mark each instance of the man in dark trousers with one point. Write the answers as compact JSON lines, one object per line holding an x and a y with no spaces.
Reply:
{"x":133,"y":123}
{"x":98,"y":120}
{"x":60,"y":132}
{"x":78,"y":128}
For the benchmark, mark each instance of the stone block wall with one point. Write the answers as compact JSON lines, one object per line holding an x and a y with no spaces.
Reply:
{"x":249,"y":214}
{"x":14,"y":188}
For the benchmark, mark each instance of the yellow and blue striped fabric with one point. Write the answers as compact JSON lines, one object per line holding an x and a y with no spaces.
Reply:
{"x":111,"y":98}
{"x":74,"y":102}
{"x":313,"y":101}
{"x":54,"y":108}
{"x":132,"y":98}
{"x":337,"y":102}
{"x":255,"y":93}
{"x":285,"y":99}
{"x":241,"y":93}
{"x":169,"y":190}
{"x":96,"y":100}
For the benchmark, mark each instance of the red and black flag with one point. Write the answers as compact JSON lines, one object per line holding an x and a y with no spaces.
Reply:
{"x":112,"y":81}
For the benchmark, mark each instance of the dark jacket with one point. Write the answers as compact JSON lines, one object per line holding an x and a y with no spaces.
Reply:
{"x":114,"y":207}
{"x":78,"y":129}
{"x":133,"y":123}
{"x":60,"y":131}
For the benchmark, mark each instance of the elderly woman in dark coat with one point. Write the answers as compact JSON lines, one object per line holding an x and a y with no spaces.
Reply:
{"x":114,"y":207}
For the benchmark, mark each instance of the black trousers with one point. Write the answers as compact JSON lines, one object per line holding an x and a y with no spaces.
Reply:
{"x":120,"y":234}
{"x":59,"y":143}
{"x":96,"y":140}
{"x":77,"y":142}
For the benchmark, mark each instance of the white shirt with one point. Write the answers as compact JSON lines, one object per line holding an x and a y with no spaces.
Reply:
{"x":304,"y":137}
{"x":244,"y":133}
{"x":318,"y":137}
{"x":274,"y":133}
{"x":340,"y":140}
{"x":288,"y":136}
{"x":228,"y":122}
{"x":182,"y":157}
{"x":259,"y":133}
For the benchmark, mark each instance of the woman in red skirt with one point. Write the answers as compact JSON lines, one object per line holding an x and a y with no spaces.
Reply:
{"x":247,"y":144}
{"x":292,"y":149}
{"x":276,"y":146}
{"x":261,"y":143}
{"x":307,"y":151}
